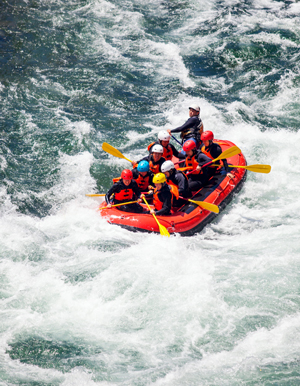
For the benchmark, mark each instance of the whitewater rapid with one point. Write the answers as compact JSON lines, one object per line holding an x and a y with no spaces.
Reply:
{"x":83,"y":302}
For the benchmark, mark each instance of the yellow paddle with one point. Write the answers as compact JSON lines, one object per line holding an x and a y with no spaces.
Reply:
{"x":113,"y":151}
{"x":234,"y":150}
{"x":255,"y":168}
{"x":122,"y":203}
{"x":205,"y":205}
{"x":162,"y":229}
{"x":95,"y":195}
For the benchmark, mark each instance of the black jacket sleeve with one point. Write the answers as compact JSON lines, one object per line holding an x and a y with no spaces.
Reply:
{"x":110,"y":192}
{"x":203,"y":159}
{"x":182,"y":183}
{"x":216,"y":151}
{"x":189,"y":123}
{"x":176,"y":152}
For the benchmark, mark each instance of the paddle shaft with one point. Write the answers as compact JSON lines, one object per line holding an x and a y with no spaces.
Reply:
{"x":122,"y":203}
{"x":163,"y":231}
{"x":176,"y":140}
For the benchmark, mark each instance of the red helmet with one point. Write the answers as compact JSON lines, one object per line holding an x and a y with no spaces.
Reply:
{"x":189,"y":145}
{"x":207,"y":136}
{"x":127,"y":174}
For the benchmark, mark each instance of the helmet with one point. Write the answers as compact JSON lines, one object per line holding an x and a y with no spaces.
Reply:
{"x":127,"y":174}
{"x":143,"y":166}
{"x":195,"y":107}
{"x":157,"y":149}
{"x":189,"y":145}
{"x":159,"y":178}
{"x":207,"y":136}
{"x":166,"y":166}
{"x":164,"y":136}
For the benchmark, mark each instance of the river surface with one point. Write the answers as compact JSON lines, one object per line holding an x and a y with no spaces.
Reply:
{"x":83,"y":302}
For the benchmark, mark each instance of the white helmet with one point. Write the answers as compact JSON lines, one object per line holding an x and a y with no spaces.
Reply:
{"x":166,"y":166}
{"x":157,"y":149}
{"x":195,"y":107}
{"x":164,"y":136}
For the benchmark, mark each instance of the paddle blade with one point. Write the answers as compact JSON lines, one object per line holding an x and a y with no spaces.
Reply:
{"x":255,"y":168}
{"x":163,"y":230}
{"x":113,"y":151}
{"x":232,"y":151}
{"x":206,"y":205}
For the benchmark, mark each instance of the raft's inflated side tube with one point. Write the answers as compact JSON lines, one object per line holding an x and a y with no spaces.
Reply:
{"x":191,"y":218}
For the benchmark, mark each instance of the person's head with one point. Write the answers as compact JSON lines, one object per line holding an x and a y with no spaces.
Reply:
{"x":167,"y":168}
{"x":159,"y":179}
{"x":207,"y":138}
{"x":126,"y":176}
{"x":194,"y":110}
{"x":189,"y":147}
{"x":164,"y":138}
{"x":157,"y":152}
{"x":143,"y":167}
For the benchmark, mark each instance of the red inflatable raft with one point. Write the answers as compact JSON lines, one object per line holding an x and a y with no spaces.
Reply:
{"x":191,"y":218}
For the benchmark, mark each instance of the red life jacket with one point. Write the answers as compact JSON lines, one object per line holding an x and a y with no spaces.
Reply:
{"x":143,"y":182}
{"x":124,"y":194}
{"x":191,"y":162}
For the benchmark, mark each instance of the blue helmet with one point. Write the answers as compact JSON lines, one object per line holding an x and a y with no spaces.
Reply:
{"x":143,"y":166}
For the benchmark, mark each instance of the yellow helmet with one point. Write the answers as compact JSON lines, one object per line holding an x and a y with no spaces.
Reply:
{"x":159,"y":178}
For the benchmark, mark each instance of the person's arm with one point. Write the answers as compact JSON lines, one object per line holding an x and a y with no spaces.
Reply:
{"x":110,"y":192}
{"x":135,"y":163}
{"x":182,"y":183}
{"x":176,"y":152}
{"x":189,"y":123}
{"x":135,"y":173}
{"x":225,"y":163}
{"x":215,"y":152}
{"x":203,"y":159}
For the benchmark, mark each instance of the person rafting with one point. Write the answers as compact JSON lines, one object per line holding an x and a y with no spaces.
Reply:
{"x":143,"y":176}
{"x":125,"y":190}
{"x":155,"y":159}
{"x":192,"y":128}
{"x":197,"y":177}
{"x":168,"y":148}
{"x":162,"y":196}
{"x":177,"y":178}
{"x":212,"y":150}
